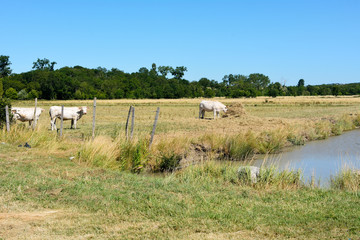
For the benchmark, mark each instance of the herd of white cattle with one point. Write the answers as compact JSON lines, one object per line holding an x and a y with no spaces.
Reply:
{"x":29,"y":114}
{"x":75,"y":113}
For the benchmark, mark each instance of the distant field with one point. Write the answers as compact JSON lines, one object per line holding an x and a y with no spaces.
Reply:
{"x":180,"y":117}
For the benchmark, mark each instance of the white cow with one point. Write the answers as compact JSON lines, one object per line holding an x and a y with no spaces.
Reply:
{"x":26,"y":114}
{"x":70,"y":113}
{"x":211,"y":106}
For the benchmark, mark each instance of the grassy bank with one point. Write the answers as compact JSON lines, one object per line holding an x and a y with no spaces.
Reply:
{"x":54,"y":197}
{"x":97,"y":195}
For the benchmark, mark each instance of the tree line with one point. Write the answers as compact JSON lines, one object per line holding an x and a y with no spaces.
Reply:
{"x":78,"y":82}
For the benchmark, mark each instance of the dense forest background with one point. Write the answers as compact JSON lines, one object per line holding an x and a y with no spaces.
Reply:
{"x":156,"y":82}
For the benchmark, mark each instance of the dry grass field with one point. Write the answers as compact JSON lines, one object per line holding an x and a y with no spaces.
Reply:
{"x":180,"y":117}
{"x":253,"y":125}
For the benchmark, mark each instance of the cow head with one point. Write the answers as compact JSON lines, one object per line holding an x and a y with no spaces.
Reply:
{"x":83,"y":109}
{"x":224,"y":109}
{"x":15,"y":114}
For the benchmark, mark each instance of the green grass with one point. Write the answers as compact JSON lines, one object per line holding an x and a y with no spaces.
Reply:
{"x":106,"y":204}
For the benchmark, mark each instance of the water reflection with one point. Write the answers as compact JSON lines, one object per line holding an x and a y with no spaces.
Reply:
{"x":322,"y":158}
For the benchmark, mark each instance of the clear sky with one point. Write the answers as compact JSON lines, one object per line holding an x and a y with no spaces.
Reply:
{"x":316,"y":40}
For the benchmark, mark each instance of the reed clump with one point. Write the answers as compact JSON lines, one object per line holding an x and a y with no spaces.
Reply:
{"x":348,"y":179}
{"x":271,"y":177}
{"x":102,"y":151}
{"x":226,"y":173}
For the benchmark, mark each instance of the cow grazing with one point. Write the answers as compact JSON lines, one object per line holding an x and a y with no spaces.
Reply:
{"x":70,"y":113}
{"x":211,"y":106}
{"x":26,"y":114}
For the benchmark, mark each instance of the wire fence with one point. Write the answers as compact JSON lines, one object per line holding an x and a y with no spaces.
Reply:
{"x":128,"y":114}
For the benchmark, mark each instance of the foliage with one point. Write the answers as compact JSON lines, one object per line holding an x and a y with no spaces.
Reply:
{"x":43,"y":64}
{"x":1,"y":88}
{"x":4,"y":66}
{"x":83,"y":83}
{"x":3,"y":103}
{"x":11,"y":93}
{"x":169,"y":163}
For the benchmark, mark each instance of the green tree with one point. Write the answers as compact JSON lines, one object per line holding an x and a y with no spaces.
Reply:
{"x":43,"y":64}
{"x":11,"y":93}
{"x":1,"y":88}
{"x":164,"y":70}
{"x":178,"y":72}
{"x":259,"y":81}
{"x":23,"y":95}
{"x":301,"y":83}
{"x":4,"y":66}
{"x":209,"y":93}
{"x":153,"y":68}
{"x":275,"y":89}
{"x":335,"y":90}
{"x":33,"y":94}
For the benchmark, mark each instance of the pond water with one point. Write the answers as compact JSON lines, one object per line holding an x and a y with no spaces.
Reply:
{"x":323,"y":158}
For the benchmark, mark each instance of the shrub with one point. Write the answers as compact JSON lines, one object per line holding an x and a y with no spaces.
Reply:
{"x":33,"y":94}
{"x":169,"y":163}
{"x":133,"y":155}
{"x":11,"y":93}
{"x":23,"y":95}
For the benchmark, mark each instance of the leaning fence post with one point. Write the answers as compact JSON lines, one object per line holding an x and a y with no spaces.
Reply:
{"x":7,"y":118}
{"x":154,"y":127}
{"x":62,"y":120}
{"x":93,"y":126}
{"x":127,"y":124}
{"x":34,"y":124}
{"x":132,"y":122}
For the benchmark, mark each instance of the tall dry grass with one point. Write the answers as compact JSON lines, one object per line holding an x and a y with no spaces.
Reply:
{"x":347,"y":179}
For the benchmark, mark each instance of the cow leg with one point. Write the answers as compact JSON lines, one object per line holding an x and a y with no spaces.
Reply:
{"x":30,"y":123}
{"x":75,"y":120}
{"x":72,"y":123}
{"x":214,"y":113}
{"x":53,"y":124}
{"x":202,"y":113}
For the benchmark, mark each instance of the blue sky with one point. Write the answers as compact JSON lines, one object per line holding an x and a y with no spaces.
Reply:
{"x":318,"y":41}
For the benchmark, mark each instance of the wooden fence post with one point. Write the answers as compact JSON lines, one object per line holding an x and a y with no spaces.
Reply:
{"x":93,"y":126}
{"x":7,"y":118}
{"x":34,"y":123}
{"x":62,"y":120}
{"x":154,"y":127}
{"x":127,"y":124}
{"x":132,"y":122}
